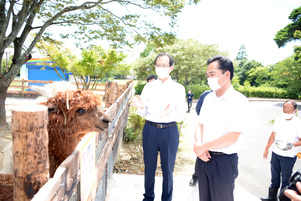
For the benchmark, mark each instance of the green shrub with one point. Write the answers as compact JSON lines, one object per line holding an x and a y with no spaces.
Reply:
{"x":139,"y":87}
{"x":268,"y":92}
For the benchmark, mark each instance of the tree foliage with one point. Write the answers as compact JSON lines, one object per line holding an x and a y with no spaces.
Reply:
{"x":258,"y":76}
{"x":291,"y":31}
{"x":244,"y":67}
{"x":287,"y":74}
{"x":95,"y":62}
{"x":242,"y":54}
{"x":190,"y":61}
{"x":118,"y":21}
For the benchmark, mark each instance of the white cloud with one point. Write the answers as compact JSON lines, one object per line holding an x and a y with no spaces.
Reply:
{"x":233,"y":23}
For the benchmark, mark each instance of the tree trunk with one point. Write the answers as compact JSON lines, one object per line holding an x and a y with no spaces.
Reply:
{"x":5,"y":81}
{"x":30,"y":150}
{"x":3,"y":93}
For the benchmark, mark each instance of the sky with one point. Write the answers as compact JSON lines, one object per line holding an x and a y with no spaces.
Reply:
{"x":233,"y":23}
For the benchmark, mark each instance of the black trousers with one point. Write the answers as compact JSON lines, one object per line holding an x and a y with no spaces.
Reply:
{"x":194,"y":175}
{"x":189,"y":103}
{"x":216,"y":178}
{"x":165,"y":141}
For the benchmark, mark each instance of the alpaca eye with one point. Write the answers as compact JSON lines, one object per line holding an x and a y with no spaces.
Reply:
{"x":81,"y":111}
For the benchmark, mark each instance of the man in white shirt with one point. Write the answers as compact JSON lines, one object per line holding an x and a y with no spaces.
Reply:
{"x":220,"y":124}
{"x":162,"y":103}
{"x":286,"y":128}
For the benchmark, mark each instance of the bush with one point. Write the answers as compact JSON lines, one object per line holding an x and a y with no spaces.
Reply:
{"x":139,"y":87}
{"x":268,"y":92}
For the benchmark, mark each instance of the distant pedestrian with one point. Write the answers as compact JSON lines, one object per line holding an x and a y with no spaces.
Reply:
{"x":189,"y":97}
{"x":286,"y":130}
{"x":151,"y":78}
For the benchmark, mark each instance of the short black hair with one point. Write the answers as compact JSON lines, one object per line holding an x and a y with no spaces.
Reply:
{"x":224,"y":64}
{"x":151,"y":77}
{"x":292,"y":102}
{"x":171,"y":60}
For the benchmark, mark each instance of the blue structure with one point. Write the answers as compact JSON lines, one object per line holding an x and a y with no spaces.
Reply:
{"x":37,"y":69}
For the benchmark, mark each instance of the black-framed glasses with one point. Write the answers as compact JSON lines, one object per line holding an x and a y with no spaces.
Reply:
{"x":162,"y":66}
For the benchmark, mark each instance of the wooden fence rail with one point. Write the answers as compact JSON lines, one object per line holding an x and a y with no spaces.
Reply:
{"x":22,"y":88}
{"x":86,"y":178}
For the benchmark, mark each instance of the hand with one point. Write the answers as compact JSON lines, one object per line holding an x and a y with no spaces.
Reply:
{"x":205,"y":156}
{"x":293,"y":195}
{"x":137,"y":102}
{"x":166,"y":111}
{"x":265,"y":154}
{"x":199,"y":149}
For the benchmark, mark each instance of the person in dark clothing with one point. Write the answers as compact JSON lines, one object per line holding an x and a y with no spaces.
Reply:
{"x":151,"y":78}
{"x":194,"y":179}
{"x":189,"y":97}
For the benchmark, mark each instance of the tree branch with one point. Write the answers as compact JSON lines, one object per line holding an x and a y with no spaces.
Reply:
{"x":4,"y":20}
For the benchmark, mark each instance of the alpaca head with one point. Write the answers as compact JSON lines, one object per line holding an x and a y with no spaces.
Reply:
{"x":76,"y":111}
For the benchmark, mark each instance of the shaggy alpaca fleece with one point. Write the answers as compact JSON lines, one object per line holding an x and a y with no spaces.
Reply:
{"x":71,"y":115}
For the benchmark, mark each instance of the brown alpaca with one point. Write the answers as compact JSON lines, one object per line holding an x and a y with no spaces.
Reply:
{"x":71,"y":115}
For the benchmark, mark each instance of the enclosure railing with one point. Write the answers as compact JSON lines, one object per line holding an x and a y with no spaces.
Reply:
{"x":22,"y":86}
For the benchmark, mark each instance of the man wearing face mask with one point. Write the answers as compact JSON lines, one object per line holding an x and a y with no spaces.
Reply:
{"x":220,"y":124}
{"x":162,"y":103}
{"x":286,"y":128}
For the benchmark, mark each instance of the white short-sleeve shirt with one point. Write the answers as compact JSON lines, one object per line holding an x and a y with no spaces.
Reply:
{"x":221,"y":115}
{"x":288,"y":131}
{"x":158,"y":95}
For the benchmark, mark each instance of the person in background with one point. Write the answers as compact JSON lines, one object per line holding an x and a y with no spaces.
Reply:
{"x":286,"y":128}
{"x":151,"y":78}
{"x":162,"y":103}
{"x":198,"y":107}
{"x":189,"y":97}
{"x":220,"y":125}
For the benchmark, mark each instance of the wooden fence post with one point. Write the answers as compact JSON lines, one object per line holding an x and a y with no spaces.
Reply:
{"x":23,"y":89}
{"x":30,"y":150}
{"x":111,"y":92}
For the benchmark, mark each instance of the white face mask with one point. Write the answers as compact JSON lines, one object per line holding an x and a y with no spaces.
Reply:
{"x":288,"y":116}
{"x":162,"y":72}
{"x":213,"y":83}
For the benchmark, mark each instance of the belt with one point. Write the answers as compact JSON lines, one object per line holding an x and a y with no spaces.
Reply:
{"x":217,"y":153}
{"x":161,"y":125}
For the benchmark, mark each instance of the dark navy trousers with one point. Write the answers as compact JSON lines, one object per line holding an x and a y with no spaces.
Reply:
{"x":165,"y":141}
{"x":281,"y":170}
{"x":216,"y":177}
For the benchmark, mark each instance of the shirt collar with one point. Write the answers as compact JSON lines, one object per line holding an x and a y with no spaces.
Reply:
{"x":227,"y":94}
{"x":166,"y":82}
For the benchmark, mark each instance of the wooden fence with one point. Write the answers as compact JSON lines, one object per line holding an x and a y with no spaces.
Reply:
{"x":86,"y":173}
{"x":21,"y":87}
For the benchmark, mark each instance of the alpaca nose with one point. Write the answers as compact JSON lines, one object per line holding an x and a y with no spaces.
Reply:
{"x":106,"y":121}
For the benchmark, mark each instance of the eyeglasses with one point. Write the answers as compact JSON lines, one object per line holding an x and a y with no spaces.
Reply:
{"x":162,"y":66}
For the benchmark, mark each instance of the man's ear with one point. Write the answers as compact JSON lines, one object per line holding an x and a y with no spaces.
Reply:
{"x":171,"y":68}
{"x":228,"y":74}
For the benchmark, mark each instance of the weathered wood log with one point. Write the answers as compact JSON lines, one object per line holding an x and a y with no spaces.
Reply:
{"x":30,"y":150}
{"x":111,"y":93}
